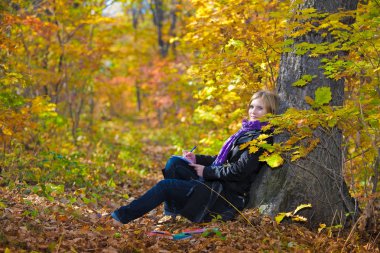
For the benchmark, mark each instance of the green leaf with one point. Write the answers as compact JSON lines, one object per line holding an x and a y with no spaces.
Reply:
{"x":111,"y":183}
{"x":322,"y":96}
{"x":274,"y":160}
{"x":332,"y":122}
{"x":305,"y":79}
{"x":299,"y":83}
{"x":86,"y":200}
{"x":267,"y":146}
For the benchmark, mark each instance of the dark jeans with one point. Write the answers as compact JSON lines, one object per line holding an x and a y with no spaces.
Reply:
{"x":174,"y":190}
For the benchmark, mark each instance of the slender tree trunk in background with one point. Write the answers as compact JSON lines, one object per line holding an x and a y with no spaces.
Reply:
{"x":138,"y":95}
{"x":317,"y":179}
{"x":75,"y":108}
{"x":91,"y":93}
{"x":173,"y":22}
{"x":158,"y":19}
{"x":135,"y":22}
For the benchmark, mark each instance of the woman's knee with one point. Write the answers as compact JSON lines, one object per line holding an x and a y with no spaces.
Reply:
{"x":164,"y":184}
{"x":171,"y":167}
{"x":172,"y":162}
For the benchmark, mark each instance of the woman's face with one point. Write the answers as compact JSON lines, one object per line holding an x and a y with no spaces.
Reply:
{"x":257,"y":109}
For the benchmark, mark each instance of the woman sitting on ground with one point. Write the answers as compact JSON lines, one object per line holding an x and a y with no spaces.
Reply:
{"x":204,"y":187}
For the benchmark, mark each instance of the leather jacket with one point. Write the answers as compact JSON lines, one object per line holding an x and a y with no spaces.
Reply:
{"x":232,"y":180}
{"x":241,"y":167}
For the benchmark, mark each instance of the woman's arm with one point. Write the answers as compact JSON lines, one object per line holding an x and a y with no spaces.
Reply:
{"x":247,"y":164}
{"x":205,"y":160}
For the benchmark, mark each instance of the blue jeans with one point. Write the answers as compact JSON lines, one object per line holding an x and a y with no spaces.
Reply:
{"x":176,"y":168}
{"x":174,"y":190}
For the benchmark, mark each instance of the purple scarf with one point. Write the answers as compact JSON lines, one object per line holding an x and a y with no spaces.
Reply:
{"x":246,"y":126}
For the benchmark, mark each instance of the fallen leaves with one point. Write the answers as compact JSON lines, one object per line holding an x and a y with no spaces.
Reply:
{"x":29,"y":222}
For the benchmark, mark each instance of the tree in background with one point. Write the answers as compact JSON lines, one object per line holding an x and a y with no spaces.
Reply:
{"x":56,"y":40}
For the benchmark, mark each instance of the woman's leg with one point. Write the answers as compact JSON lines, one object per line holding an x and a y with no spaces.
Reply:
{"x":177,"y":168}
{"x":166,"y":190}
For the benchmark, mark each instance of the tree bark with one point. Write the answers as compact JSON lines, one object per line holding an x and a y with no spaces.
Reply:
{"x":318,"y":178}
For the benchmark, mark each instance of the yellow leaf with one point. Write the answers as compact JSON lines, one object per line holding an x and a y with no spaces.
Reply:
{"x":299,"y":218}
{"x":309,"y":100}
{"x":249,"y":143}
{"x":244,"y":145}
{"x":296,"y":155}
{"x":2,"y":205}
{"x":301,"y":207}
{"x":7,"y":131}
{"x":321,"y":227}
{"x":280,"y":216}
{"x":262,"y":136}
{"x":253,"y":149}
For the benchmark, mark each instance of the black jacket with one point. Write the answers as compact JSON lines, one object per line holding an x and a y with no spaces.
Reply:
{"x":232,"y":180}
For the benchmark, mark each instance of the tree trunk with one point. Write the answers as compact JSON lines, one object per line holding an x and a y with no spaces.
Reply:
{"x":318,"y":178}
{"x":138,"y":95}
{"x":159,"y":17}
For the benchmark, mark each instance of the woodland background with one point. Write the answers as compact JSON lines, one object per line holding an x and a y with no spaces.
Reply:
{"x":96,"y":95}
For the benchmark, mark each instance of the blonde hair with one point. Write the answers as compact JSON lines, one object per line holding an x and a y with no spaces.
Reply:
{"x":271,"y":100}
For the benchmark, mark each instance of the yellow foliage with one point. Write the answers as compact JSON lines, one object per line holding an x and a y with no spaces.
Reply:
{"x":6,"y":131}
{"x":280,"y":216}
{"x":274,"y":160}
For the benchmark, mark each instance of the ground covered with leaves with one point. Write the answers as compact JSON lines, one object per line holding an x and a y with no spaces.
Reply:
{"x":55,"y":218}
{"x":30,"y":222}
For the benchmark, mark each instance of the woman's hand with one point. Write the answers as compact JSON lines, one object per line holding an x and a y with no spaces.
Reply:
{"x":198,"y":168}
{"x":189,"y":156}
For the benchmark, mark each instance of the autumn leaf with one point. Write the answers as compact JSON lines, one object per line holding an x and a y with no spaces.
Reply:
{"x":253,"y":149}
{"x":321,"y":227}
{"x":273,"y":160}
{"x":309,"y":100}
{"x":301,"y":207}
{"x":299,"y":218}
{"x":305,"y":79}
{"x":322,"y":96}
{"x":6,"y":131}
{"x":280,"y":216}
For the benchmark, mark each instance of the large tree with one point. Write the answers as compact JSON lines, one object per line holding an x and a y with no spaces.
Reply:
{"x":318,"y":177}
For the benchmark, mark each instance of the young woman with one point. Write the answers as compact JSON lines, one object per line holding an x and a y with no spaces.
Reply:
{"x":204,"y":187}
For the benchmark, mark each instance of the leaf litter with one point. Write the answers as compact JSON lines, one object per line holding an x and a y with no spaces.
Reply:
{"x":29,"y":222}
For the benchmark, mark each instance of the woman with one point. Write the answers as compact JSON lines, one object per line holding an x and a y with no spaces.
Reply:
{"x":208,"y":186}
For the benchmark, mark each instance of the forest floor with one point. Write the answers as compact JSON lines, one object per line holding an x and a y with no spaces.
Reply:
{"x":33,"y":223}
